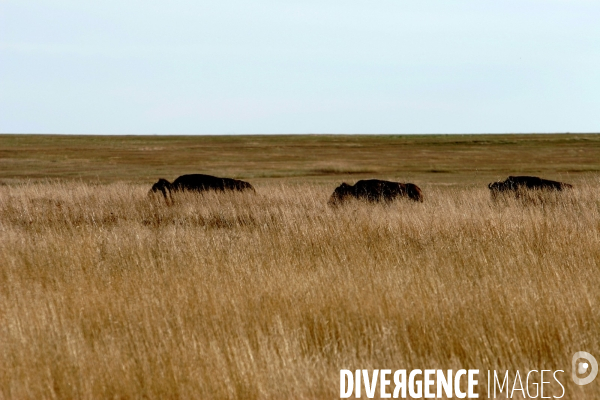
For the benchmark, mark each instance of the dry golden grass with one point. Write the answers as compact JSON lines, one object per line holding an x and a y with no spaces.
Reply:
{"x":107,"y":294}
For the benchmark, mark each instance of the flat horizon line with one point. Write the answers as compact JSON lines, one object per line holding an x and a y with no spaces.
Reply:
{"x":297,"y":134}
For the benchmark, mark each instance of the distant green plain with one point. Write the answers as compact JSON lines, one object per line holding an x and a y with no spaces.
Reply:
{"x":422,"y":159}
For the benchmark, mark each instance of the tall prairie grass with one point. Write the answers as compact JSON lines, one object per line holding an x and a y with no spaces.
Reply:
{"x":107,"y":293}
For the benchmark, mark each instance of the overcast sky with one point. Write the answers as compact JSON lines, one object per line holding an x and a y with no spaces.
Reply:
{"x":351,"y":66}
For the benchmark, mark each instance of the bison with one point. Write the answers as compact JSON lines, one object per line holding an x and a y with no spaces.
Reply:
{"x":375,"y":190}
{"x":517,"y":183}
{"x":199,"y":183}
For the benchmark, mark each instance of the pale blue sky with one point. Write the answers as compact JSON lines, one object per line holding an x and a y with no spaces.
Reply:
{"x":227,"y":66}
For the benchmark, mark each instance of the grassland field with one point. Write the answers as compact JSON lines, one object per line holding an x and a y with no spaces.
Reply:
{"x":107,"y":293}
{"x":450,"y":159}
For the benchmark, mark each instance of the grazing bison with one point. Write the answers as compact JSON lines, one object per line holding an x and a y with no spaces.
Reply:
{"x":199,"y":183}
{"x":516,"y":183}
{"x":375,"y":190}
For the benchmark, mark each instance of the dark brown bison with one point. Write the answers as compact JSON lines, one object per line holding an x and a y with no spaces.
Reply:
{"x":375,"y":190}
{"x":516,"y":183}
{"x":199,"y":183}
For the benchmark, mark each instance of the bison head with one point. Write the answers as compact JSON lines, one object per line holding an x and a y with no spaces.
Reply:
{"x":241,"y":185}
{"x":414,"y":192}
{"x":340,"y":194}
{"x":162,"y":186}
{"x":497,"y":186}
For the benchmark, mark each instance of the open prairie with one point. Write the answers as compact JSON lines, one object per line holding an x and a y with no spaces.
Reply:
{"x":108,"y":293}
{"x":453,"y":159}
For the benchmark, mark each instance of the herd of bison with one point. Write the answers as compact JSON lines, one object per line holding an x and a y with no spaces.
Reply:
{"x":371,"y":190}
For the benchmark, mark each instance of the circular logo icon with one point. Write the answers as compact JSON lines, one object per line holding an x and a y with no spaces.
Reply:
{"x":581,"y":367}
